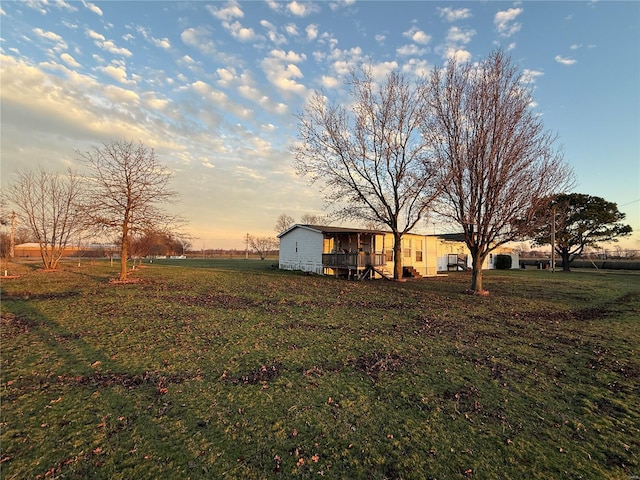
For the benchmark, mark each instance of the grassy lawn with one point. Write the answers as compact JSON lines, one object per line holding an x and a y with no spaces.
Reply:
{"x":230,"y":369}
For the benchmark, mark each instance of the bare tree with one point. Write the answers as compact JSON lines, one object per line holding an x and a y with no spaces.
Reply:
{"x":496,"y":160}
{"x":284,"y":222}
{"x":263,"y":245}
{"x":311,"y":219}
{"x":128,"y":185}
{"x":372,"y":161}
{"x":50,"y":205}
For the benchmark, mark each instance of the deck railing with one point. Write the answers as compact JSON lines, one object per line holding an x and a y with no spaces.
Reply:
{"x":353,"y":260}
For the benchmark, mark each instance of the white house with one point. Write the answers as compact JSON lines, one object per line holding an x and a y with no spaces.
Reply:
{"x":359,"y":253}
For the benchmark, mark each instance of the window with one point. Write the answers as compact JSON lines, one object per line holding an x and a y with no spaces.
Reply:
{"x":419,"y":251}
{"x":407,"y":248}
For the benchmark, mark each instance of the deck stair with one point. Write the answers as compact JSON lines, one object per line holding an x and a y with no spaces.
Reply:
{"x":410,"y":272}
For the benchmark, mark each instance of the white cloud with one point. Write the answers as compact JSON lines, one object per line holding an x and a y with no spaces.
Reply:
{"x":111,"y":47}
{"x":301,"y":9}
{"x":229,"y":12}
{"x":530,"y":76}
{"x":239,"y":32}
{"x":576,"y":46}
{"x":92,"y":7}
{"x":281,"y":70}
{"x":312,"y":31}
{"x":380,"y":38}
{"x":199,"y":38}
{"x":415,"y":66}
{"x":505,"y":23}
{"x":454,"y":14}
{"x":564,"y":61}
{"x":95,"y":35}
{"x":410,"y":50}
{"x":272,"y":33}
{"x":337,"y":5}
{"x":455,"y":44}
{"x":54,"y":37}
{"x":329,"y":82}
{"x":69,"y":60}
{"x":381,"y":70}
{"x":292,"y":29}
{"x":117,"y":72}
{"x":417,"y":35}
{"x":459,"y":36}
{"x":162,"y":43}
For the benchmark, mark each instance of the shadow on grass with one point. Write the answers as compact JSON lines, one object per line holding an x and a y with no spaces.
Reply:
{"x":75,"y":412}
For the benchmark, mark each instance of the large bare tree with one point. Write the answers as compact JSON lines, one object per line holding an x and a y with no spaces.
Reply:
{"x":368,"y":155}
{"x":128,"y":185}
{"x":496,"y":160}
{"x":49,"y":204}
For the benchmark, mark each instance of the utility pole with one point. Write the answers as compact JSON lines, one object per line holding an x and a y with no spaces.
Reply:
{"x":12,"y":239}
{"x":553,"y":240}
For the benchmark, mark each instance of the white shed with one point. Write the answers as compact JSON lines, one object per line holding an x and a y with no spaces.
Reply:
{"x":301,"y":249}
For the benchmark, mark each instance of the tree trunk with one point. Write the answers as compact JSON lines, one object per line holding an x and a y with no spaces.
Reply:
{"x":476,"y":274}
{"x":124,"y":252}
{"x":397,"y":256}
{"x":565,"y":261}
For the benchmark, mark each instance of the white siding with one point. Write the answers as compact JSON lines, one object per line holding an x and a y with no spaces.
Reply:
{"x":301,"y":249}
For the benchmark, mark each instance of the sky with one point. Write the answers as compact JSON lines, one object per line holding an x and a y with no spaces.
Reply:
{"x":215,"y":88}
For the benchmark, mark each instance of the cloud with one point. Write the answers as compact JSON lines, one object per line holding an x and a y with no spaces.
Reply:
{"x":301,"y":9}
{"x":459,"y":36}
{"x":69,"y":60}
{"x":92,"y":7}
{"x":415,"y":66}
{"x":199,"y":38}
{"x":505,"y":23}
{"x":162,"y":43}
{"x":312,"y":31}
{"x":454,"y":14}
{"x":117,"y":72}
{"x":564,"y":61}
{"x":239,"y":32}
{"x":281,"y":70}
{"x":411,"y":50}
{"x":95,"y":35}
{"x":416,"y":35}
{"x":329,"y":82}
{"x":530,"y":76}
{"x":455,"y":44}
{"x":337,"y":5}
{"x":380,"y":38}
{"x":272,"y":33}
{"x":112,"y":48}
{"x":381,"y":70}
{"x":54,"y":37}
{"x":229,"y":12}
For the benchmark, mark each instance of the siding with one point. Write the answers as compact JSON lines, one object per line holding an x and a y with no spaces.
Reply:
{"x":301,"y":249}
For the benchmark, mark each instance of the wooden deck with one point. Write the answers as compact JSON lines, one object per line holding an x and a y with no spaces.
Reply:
{"x":353,"y":260}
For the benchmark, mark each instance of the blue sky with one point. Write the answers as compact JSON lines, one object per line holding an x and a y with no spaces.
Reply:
{"x":214,"y":88}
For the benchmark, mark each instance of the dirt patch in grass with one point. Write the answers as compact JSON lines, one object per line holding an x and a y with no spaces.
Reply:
{"x":260,"y":374}
{"x":13,"y":325}
{"x":218,"y":300}
{"x":375,"y":363}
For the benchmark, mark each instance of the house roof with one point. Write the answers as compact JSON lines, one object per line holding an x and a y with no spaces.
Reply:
{"x":451,"y":237}
{"x":330,"y":229}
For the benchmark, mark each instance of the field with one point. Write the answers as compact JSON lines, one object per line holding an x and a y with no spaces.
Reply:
{"x":231,"y":369}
